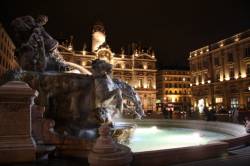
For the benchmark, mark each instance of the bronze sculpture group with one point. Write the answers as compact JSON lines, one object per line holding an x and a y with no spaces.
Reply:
{"x":75,"y":103}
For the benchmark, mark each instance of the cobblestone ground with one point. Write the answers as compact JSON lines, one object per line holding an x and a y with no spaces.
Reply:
{"x":240,"y":157}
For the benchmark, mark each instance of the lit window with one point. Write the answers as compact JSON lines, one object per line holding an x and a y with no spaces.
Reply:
{"x":199,"y":78}
{"x":248,"y":102}
{"x":140,"y":83}
{"x":234,"y":103}
{"x":217,"y":75}
{"x":248,"y":70}
{"x":247,"y":52}
{"x":231,"y":73}
{"x":149,"y":83}
{"x":218,"y":100}
{"x":205,"y":77}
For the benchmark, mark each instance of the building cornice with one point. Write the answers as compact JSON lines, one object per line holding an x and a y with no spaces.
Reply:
{"x":222,"y":44}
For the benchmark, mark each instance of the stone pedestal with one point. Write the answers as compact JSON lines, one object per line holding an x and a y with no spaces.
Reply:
{"x":16,"y":143}
{"x":108,"y":153}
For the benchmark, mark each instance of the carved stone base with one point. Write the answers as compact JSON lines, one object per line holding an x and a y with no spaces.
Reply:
{"x":47,"y":138}
{"x":121,"y":157}
{"x":16,"y":143}
{"x":108,"y":153}
{"x":16,"y":149}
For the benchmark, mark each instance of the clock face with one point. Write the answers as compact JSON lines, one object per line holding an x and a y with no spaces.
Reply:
{"x":104,"y":55}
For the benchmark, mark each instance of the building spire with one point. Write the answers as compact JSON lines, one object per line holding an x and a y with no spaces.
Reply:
{"x":98,"y":27}
{"x":122,"y":51}
{"x":153,"y":54}
{"x":70,"y":47}
{"x":84,"y":46}
{"x":98,"y":36}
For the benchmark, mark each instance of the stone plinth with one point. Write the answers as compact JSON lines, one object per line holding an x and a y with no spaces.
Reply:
{"x":16,"y":143}
{"x":108,"y":153}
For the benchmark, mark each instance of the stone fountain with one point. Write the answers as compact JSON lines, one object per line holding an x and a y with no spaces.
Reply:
{"x":45,"y":107}
{"x":69,"y":108}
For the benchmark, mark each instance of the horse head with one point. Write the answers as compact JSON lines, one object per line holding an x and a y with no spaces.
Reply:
{"x":101,"y":68}
{"x":138,"y":108}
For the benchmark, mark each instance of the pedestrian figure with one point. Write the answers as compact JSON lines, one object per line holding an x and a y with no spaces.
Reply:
{"x":235,"y":115}
{"x":165,"y":112}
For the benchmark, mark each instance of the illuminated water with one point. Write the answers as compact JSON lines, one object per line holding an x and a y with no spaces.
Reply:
{"x":156,"y":138}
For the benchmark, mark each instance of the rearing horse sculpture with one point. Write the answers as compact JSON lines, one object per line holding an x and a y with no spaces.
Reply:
{"x":129,"y":93}
{"x":108,"y":96}
{"x":110,"y":93}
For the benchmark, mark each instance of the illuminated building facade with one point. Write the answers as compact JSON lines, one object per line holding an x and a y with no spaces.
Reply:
{"x":7,"y":50}
{"x":220,"y":73}
{"x":137,"y":68}
{"x":173,"y":89}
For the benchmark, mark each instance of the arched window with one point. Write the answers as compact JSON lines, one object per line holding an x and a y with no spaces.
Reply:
{"x":150,"y":83}
{"x":140,"y":83}
{"x":139,"y":66}
{"x":118,"y":65}
{"x":127,"y":66}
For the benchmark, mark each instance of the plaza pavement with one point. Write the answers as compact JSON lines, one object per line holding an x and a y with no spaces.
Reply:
{"x":239,"y":157}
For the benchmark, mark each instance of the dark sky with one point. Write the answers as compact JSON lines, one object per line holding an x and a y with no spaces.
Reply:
{"x":172,"y":27}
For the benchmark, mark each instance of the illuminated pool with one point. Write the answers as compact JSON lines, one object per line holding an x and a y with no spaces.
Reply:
{"x":158,"y":141}
{"x":157,"y":138}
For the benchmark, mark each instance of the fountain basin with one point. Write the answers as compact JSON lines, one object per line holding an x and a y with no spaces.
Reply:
{"x":237,"y":136}
{"x":150,"y":138}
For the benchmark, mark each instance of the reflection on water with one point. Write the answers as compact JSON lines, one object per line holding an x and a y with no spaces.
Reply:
{"x":156,"y":138}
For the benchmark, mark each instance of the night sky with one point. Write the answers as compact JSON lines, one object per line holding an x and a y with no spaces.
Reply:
{"x":172,"y":27}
